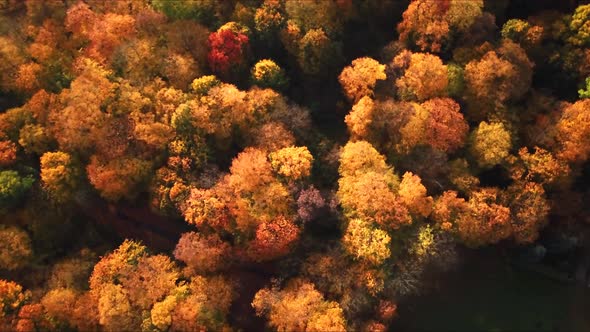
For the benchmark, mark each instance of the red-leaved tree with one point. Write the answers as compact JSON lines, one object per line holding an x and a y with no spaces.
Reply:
{"x":226,"y":50}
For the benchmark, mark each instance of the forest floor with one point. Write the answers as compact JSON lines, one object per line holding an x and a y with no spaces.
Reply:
{"x":485,"y":293}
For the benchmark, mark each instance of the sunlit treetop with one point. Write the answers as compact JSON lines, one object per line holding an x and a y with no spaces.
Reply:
{"x":427,"y":25}
{"x":446,"y":129}
{"x":490,"y":144}
{"x":250,"y":169}
{"x":522,"y":32}
{"x":269,"y":19}
{"x":228,"y":49}
{"x":462,"y":14}
{"x":299,"y":306}
{"x":367,"y":188}
{"x":102,"y":33}
{"x":542,"y":166}
{"x":424,"y":25}
{"x":267,"y":74}
{"x":359,"y":157}
{"x":203,"y":84}
{"x":231,"y":114}
{"x":59,"y":175}
{"x":252,"y":203}
{"x":529,"y":209}
{"x":12,"y":297}
{"x":273,"y":239}
{"x":413,"y":194}
{"x":572,"y":131}
{"x":360,"y":118}
{"x":480,"y":220}
{"x":235,"y":27}
{"x":117,"y":178}
{"x":424,"y":76}
{"x":579,"y":27}
{"x":127,"y":254}
{"x":498,"y":77}
{"x":585,"y":92}
{"x":487,"y":220}
{"x":365,"y":242}
{"x":292,"y":162}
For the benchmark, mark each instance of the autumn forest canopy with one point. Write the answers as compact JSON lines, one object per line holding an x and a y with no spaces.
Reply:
{"x":288,"y":165}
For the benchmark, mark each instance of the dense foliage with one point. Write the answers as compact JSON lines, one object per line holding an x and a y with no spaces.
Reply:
{"x":209,"y":165}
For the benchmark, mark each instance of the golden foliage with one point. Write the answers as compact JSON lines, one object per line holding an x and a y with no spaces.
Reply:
{"x":359,"y":157}
{"x":424,"y":24}
{"x":413,"y":131}
{"x":161,"y":313}
{"x":26,"y":79}
{"x":299,"y":307}
{"x":413,"y":195}
{"x":250,"y":171}
{"x":59,"y":175}
{"x":542,"y":166}
{"x":358,"y":80}
{"x":490,"y":144}
{"x":117,"y":178}
{"x":573,"y":131}
{"x":204,"y":207}
{"x":60,"y":303}
{"x":12,"y":297}
{"x":294,"y":163}
{"x":425,"y":77}
{"x":360,"y":118}
{"x":499,"y":76}
{"x":363,"y":241}
{"x":150,"y":281}
{"x":479,"y":221}
{"x":529,"y":209}
{"x":371,"y":196}
{"x":367,"y":187}
{"x":114,"y":309}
